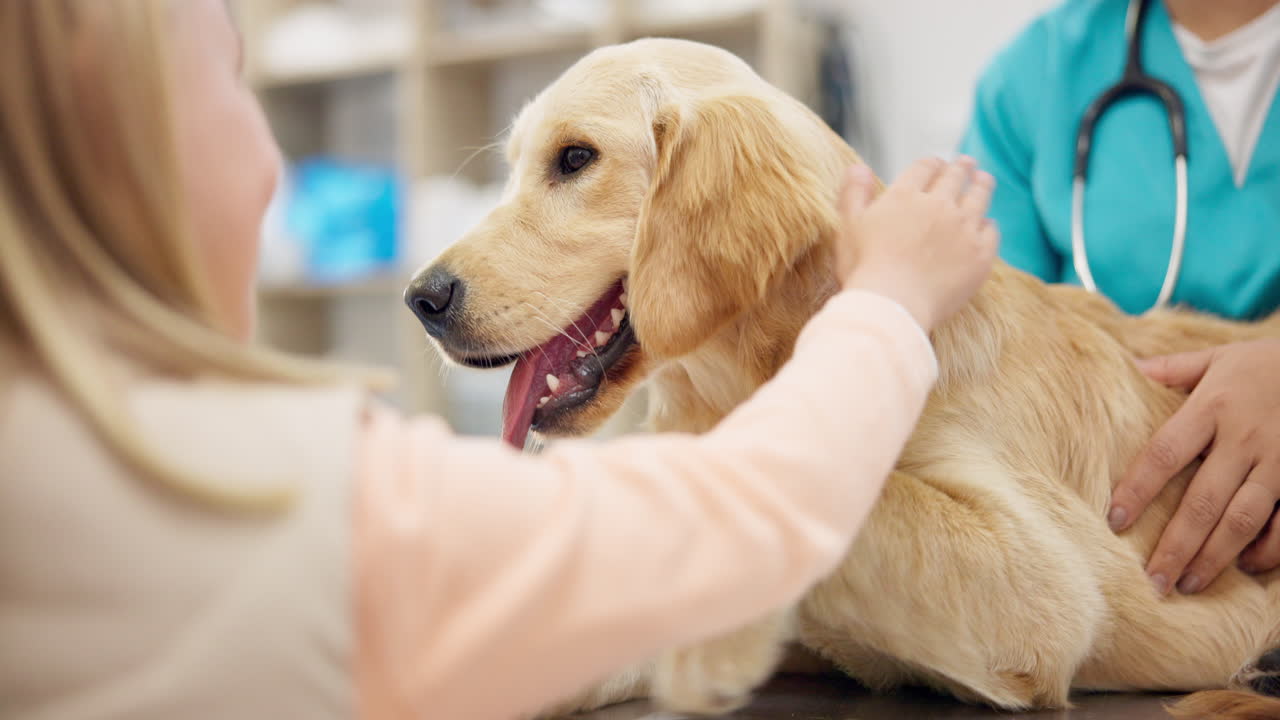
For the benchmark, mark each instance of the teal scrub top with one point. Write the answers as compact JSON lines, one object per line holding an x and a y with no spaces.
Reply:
{"x":1029,"y":104}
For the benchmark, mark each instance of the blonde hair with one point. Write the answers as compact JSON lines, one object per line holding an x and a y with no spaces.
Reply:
{"x":96,"y":259}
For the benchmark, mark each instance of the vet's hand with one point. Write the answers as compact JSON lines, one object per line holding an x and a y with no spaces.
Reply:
{"x":925,"y":242}
{"x":1232,"y":417}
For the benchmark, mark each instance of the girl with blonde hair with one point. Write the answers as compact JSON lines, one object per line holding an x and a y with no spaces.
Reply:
{"x":191,"y":526}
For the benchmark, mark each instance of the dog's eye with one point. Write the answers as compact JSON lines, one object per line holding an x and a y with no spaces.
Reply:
{"x":573,"y":159}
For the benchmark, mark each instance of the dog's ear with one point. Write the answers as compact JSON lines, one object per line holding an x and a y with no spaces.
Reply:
{"x":732,"y":205}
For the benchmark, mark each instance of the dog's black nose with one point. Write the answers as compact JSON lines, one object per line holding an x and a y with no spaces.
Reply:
{"x":434,"y":297}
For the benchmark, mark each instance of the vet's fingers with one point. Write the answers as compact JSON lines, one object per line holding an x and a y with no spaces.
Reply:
{"x":1264,"y":553}
{"x":1182,"y":370}
{"x":954,"y":178}
{"x":858,"y":190}
{"x":1199,"y":512}
{"x":1246,"y":516}
{"x":1171,"y":449}
{"x":921,"y":173}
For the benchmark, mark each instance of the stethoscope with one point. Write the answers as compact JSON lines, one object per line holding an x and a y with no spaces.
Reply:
{"x":1135,"y":81}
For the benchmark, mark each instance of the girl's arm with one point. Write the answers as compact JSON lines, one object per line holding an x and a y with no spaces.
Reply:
{"x":492,"y":583}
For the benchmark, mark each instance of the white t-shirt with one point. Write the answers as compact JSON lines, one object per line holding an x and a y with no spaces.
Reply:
{"x":1238,"y":75}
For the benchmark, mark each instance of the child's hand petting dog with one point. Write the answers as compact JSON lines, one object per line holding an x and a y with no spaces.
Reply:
{"x":925,"y":241}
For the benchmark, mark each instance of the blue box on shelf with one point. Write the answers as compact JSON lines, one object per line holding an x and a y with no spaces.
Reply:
{"x":347,"y":218}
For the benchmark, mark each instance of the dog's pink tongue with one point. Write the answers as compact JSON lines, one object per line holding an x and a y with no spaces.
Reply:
{"x":521,"y":400}
{"x":556,"y":357}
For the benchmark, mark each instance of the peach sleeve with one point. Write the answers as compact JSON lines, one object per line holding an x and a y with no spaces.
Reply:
{"x":490,"y":583}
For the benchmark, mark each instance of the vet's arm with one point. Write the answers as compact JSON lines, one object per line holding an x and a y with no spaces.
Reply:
{"x":491,"y":583}
{"x":1000,"y":137}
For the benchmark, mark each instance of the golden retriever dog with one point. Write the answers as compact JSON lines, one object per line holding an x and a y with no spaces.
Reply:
{"x":668,"y":219}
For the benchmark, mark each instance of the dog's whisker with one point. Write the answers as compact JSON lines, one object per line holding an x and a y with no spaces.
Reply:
{"x":498,"y":324}
{"x":506,"y":337}
{"x":477,"y":152}
{"x":538,"y":314}
{"x":558,"y":331}
{"x":559,"y":304}
{"x":593,"y":349}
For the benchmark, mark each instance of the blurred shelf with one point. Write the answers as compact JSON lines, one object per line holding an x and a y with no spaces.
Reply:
{"x":389,"y":285}
{"x":481,"y":46}
{"x":365,"y":67}
{"x":694,"y":22}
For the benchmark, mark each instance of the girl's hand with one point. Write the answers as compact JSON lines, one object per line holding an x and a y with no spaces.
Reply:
{"x":1232,"y":418}
{"x":924,"y":242}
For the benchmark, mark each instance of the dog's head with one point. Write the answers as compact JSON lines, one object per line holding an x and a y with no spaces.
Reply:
{"x":658,"y":190}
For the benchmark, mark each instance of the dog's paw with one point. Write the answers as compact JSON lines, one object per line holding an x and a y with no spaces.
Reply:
{"x":718,"y":677}
{"x":1261,"y":676}
{"x":630,"y":684}
{"x":702,"y":681}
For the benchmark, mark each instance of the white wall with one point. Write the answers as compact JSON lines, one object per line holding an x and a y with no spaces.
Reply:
{"x":916,"y":63}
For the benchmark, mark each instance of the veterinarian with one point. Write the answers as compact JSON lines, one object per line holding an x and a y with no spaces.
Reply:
{"x":1090,"y":192}
{"x":193,"y":527}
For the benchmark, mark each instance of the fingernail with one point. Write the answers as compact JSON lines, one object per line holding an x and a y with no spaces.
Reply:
{"x":1161,"y":583}
{"x":1189,"y":584}
{"x":1116,"y":518}
{"x":967,"y":160}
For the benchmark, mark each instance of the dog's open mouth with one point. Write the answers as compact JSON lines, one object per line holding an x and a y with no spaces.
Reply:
{"x":565,"y":372}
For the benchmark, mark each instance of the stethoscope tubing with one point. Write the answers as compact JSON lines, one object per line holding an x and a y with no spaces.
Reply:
{"x":1135,"y":81}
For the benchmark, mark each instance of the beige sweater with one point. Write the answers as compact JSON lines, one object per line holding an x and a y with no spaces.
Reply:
{"x":117,"y":601}
{"x":485,"y":584}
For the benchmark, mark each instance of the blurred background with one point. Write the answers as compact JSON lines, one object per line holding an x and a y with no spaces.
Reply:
{"x":388,"y":111}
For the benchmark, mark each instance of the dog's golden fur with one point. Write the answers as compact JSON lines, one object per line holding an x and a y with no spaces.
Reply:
{"x":987,"y":569}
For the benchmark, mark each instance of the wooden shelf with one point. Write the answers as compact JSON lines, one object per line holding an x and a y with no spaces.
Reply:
{"x":479,"y":46}
{"x":694,"y":23}
{"x":390,"y":285}
{"x":268,"y":80}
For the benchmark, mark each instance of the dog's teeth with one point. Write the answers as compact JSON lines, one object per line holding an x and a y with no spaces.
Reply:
{"x":623,"y":299}
{"x":582,"y":354}
{"x":602,"y":338}
{"x":617,"y":316}
{"x":542,"y":402}
{"x":553,"y":383}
